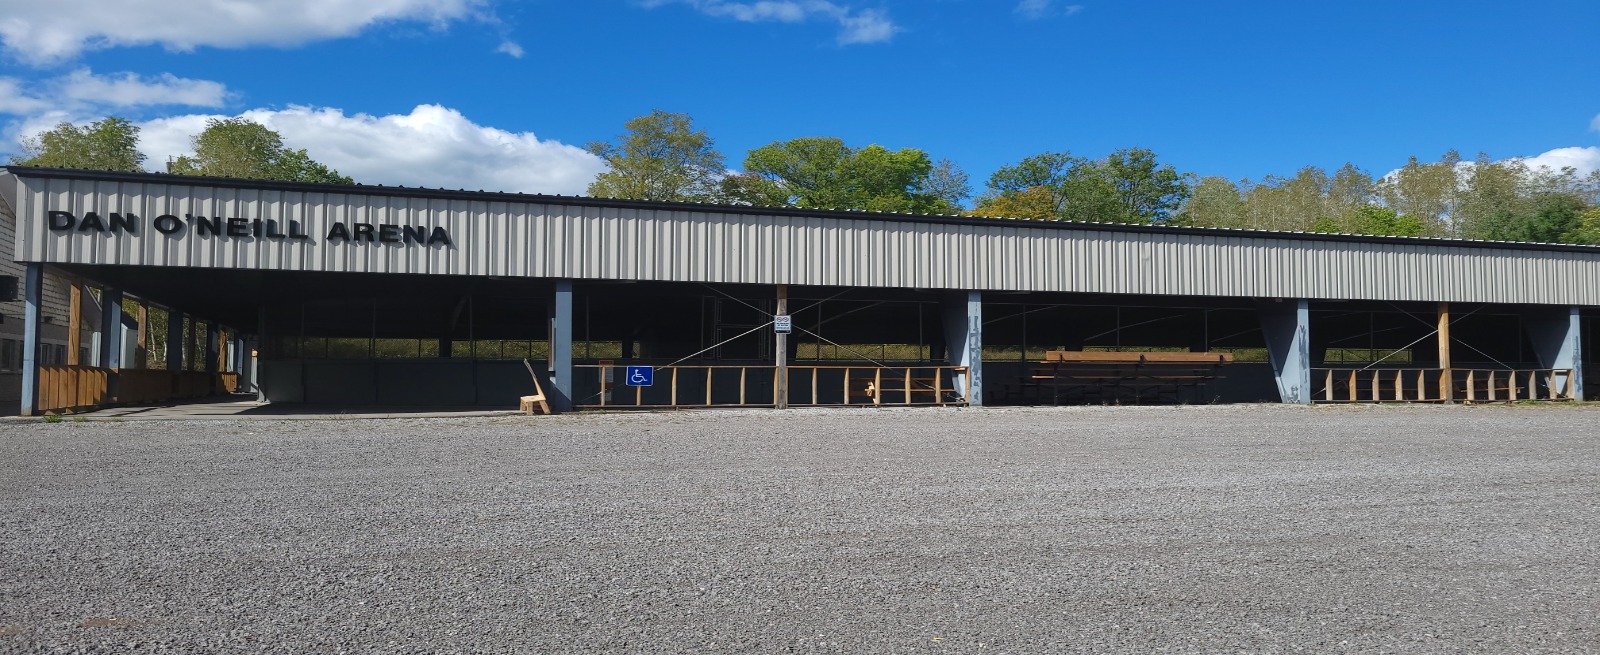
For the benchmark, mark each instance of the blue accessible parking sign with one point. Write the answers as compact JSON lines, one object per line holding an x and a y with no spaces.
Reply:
{"x":640,"y":376}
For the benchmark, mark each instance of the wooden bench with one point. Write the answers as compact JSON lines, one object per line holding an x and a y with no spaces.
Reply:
{"x":1134,"y":377}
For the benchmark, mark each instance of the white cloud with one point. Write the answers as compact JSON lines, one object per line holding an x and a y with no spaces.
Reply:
{"x":511,"y":48}
{"x":432,"y":146}
{"x":1037,"y":9}
{"x":82,"y":96}
{"x":1585,"y":160}
{"x":855,"y":26}
{"x":82,"y":90}
{"x":48,"y":32}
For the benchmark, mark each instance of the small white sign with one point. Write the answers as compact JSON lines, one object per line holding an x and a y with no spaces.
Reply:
{"x":782,"y":324}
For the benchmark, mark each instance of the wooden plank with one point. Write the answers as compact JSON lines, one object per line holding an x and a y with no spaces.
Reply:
{"x":74,"y":324}
{"x":1069,"y":356}
{"x":141,"y":353}
{"x":1446,"y":383}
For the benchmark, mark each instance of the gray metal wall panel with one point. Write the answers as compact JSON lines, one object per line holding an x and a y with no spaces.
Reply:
{"x":544,"y":239}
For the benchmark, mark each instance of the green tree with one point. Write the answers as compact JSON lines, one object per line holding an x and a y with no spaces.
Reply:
{"x":1146,"y":190}
{"x":1128,"y":186}
{"x":1429,"y":192}
{"x":110,"y":144}
{"x":1383,"y":221}
{"x":242,"y":148}
{"x":1214,"y":202}
{"x":661,"y":157}
{"x":824,"y":173}
{"x":949,"y":183}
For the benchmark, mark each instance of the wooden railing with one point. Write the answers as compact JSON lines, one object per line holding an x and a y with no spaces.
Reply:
{"x":687,"y":386}
{"x":63,"y":388}
{"x":70,"y":387}
{"x":1433,"y":385}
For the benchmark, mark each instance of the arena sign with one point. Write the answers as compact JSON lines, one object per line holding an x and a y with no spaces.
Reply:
{"x":174,"y":227}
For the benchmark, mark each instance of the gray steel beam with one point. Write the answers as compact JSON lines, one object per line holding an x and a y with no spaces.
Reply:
{"x":1557,"y":337}
{"x":561,"y":347}
{"x":32,"y":298}
{"x":963,"y":334}
{"x":1286,"y":324}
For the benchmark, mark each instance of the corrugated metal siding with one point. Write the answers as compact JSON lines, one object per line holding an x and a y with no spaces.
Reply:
{"x":543,"y":239}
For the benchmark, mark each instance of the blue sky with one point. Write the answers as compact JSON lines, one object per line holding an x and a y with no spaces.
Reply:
{"x":502,"y":95}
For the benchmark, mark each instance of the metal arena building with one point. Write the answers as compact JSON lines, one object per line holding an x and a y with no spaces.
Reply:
{"x":384,"y":296}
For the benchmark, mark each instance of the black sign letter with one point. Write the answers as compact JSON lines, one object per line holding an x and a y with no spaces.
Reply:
{"x":62,"y":221}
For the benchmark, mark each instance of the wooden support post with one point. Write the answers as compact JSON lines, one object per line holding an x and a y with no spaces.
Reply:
{"x":141,"y":353}
{"x":1472,"y":388}
{"x":1399,"y":385}
{"x":908,"y":386}
{"x":638,"y":396}
{"x":1422,"y":384}
{"x":1511,"y":386}
{"x":780,"y":388}
{"x":674,"y":386}
{"x":708,"y":385}
{"x":742,"y":371}
{"x":1446,"y":384}
{"x":1377,"y":386}
{"x":814,"y":372}
{"x":1327,"y":387}
{"x":938,"y":386}
{"x":1355,"y":387}
{"x":603,"y":371}
{"x":846,"y":385}
{"x":75,"y":324}
{"x":877,"y":386}
{"x":1491,"y":386}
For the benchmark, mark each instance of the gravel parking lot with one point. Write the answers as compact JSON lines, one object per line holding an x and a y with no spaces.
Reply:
{"x":1178,"y":529}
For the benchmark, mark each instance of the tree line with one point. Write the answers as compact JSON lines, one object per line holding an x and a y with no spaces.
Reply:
{"x":663,"y":156}
{"x":227,"y":147}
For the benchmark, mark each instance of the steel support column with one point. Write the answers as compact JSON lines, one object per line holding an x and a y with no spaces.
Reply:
{"x":561,"y":347}
{"x":111,"y":338}
{"x":32,"y":298}
{"x":1286,"y":324}
{"x":1556,"y":334}
{"x":110,"y":329}
{"x":963,"y":337}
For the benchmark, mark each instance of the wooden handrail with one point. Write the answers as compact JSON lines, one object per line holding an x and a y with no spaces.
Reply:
{"x":1434,"y":385}
{"x":914,"y":385}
